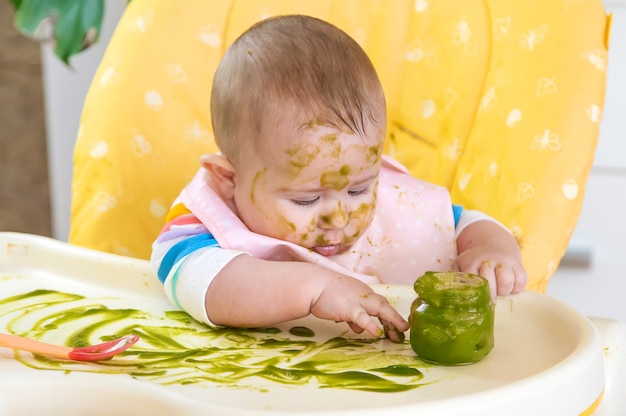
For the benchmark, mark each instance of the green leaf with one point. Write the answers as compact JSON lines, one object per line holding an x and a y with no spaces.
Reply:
{"x":16,"y":3}
{"x":71,"y":25}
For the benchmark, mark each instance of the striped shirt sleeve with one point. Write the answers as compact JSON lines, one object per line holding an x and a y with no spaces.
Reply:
{"x":186,"y":257}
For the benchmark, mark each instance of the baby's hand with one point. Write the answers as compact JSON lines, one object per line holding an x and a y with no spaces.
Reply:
{"x":345,"y":299}
{"x":488,"y":249}
{"x":502,"y":267}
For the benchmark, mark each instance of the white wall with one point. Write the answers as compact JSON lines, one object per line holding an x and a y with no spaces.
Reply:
{"x":64,"y":92}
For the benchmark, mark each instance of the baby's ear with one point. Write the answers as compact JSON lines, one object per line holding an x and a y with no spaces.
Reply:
{"x":222,"y":172}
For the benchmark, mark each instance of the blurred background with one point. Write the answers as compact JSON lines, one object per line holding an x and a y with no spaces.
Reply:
{"x":41,"y":101}
{"x":24,"y":190}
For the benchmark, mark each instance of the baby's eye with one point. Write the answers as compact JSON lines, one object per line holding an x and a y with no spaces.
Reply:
{"x":305,"y":202}
{"x":358,"y":192}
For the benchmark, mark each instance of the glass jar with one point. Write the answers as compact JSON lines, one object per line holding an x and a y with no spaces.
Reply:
{"x":452,"y":318}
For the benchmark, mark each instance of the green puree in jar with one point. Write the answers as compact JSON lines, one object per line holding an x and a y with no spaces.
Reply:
{"x":452,"y":318}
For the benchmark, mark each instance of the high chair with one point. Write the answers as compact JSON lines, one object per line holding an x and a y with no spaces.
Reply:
{"x":498,"y":101}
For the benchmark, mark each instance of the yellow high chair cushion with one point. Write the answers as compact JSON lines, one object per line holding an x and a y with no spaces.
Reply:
{"x":498,"y":101}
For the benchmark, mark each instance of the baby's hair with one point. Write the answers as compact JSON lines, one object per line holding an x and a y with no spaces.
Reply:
{"x":296,"y":61}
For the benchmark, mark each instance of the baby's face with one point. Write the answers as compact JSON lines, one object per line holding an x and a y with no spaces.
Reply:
{"x":315,"y":187}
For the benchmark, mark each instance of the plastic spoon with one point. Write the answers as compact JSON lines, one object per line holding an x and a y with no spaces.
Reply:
{"x":96,"y":352}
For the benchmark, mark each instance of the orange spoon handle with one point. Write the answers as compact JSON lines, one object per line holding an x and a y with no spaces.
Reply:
{"x":25,"y":344}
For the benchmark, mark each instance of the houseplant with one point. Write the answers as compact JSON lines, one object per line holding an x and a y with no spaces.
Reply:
{"x":70,"y":26}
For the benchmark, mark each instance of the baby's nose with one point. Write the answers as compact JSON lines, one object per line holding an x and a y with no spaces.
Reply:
{"x":335,"y":218}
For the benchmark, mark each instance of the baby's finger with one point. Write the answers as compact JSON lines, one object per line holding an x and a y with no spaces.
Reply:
{"x":365,"y":322}
{"x":354,"y":327}
{"x":396,"y":321}
{"x":521,"y":278}
{"x":387,"y":314}
{"x":505,"y":279}
{"x":486,"y":270}
{"x":391,"y":332}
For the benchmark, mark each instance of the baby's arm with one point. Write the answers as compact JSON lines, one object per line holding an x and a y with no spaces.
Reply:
{"x":250,"y":292}
{"x":486,"y":248}
{"x":228,"y":287}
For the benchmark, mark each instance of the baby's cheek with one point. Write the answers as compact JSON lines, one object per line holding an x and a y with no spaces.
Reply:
{"x":360,"y":220}
{"x":302,"y":233}
{"x":360,"y":228}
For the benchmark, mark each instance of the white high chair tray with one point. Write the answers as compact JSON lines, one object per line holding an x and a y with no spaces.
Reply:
{"x":548,"y":359}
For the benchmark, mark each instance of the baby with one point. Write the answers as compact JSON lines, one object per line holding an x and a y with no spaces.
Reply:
{"x":300,"y":209}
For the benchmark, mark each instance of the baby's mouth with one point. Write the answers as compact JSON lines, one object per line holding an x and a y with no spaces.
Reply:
{"x":329,"y":250}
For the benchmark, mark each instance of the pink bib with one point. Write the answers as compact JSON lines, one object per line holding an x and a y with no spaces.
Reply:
{"x":412,"y":231}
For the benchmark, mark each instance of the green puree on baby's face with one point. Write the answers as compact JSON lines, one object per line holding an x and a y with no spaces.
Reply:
{"x":336,"y":180}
